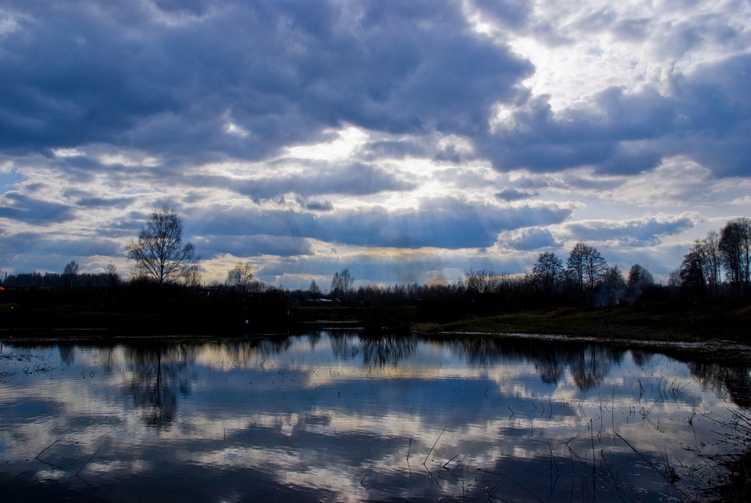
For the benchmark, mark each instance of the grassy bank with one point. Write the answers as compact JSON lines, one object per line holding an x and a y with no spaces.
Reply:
{"x":726,"y":319}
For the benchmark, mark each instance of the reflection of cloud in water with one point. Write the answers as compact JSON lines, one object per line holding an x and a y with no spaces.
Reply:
{"x":317,"y":417}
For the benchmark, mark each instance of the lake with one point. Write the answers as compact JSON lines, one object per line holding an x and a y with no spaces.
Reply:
{"x":336,"y":416}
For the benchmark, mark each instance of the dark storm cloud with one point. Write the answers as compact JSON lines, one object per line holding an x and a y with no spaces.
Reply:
{"x":706,"y":117}
{"x":19,"y":207}
{"x":242,"y":79}
{"x":641,"y":232}
{"x":443,"y":223}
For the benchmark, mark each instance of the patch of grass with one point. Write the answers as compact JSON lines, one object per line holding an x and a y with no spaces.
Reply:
{"x":726,"y":319}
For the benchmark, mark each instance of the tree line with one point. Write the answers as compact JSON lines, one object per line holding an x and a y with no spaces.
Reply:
{"x":730,"y":250}
{"x":160,"y":256}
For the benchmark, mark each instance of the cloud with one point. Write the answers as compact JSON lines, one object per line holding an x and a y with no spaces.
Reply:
{"x":533,"y":238}
{"x":637,"y":232}
{"x":33,"y":211}
{"x":705,"y":117}
{"x":319,"y":206}
{"x":507,"y":13}
{"x":243,"y":80}
{"x":353,"y":179}
{"x":511,"y":194}
{"x":252,"y":245}
{"x":40,"y":251}
{"x":442,"y":223}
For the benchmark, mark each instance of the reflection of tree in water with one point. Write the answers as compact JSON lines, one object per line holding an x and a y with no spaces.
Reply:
{"x":641,"y":358}
{"x":246,"y":351}
{"x":67,"y":354}
{"x":593,"y":365}
{"x":386,"y":350}
{"x":735,"y":380}
{"x":159,"y":374}
{"x":589,"y":364}
{"x":551,"y":368}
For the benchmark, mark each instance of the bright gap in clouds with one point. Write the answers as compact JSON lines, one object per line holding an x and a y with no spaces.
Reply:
{"x":582,"y":48}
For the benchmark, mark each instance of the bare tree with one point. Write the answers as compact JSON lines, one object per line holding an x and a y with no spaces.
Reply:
{"x":735,"y":249}
{"x":342,"y":282}
{"x":112,"y":277}
{"x":485,"y":280}
{"x":585,"y":265}
{"x":638,"y":279}
{"x":709,"y":250}
{"x":616,"y":285}
{"x":692,"y":271}
{"x":159,"y":253}
{"x":70,"y":273}
{"x":71,"y":268}
{"x":547,"y":271}
{"x":240,"y":276}
{"x":192,"y":276}
{"x":314,"y":289}
{"x":639,"y":276}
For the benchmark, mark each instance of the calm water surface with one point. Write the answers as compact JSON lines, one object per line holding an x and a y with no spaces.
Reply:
{"x":333,"y":416}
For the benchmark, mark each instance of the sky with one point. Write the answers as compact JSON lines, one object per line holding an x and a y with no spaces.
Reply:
{"x":405,"y":141}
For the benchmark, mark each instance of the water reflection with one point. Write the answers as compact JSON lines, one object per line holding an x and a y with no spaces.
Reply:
{"x":387,"y":350}
{"x":589,"y":364}
{"x":158,"y":374}
{"x":341,"y":417}
{"x":733,"y":379}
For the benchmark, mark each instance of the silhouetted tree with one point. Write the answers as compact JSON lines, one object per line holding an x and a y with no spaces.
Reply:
{"x":342,"y":283}
{"x":71,"y":268}
{"x":692,"y":272}
{"x":484,"y":280}
{"x":613,"y":280}
{"x":547,"y":271}
{"x":585,"y":265}
{"x":240,"y":276}
{"x":69,"y":273}
{"x":711,"y":260}
{"x":314,"y":289}
{"x":735,"y":249}
{"x":112,"y":276}
{"x":159,"y":253}
{"x":639,"y":278}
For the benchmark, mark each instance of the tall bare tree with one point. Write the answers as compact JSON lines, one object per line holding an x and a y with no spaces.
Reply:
{"x":240,"y":276}
{"x":709,"y":247}
{"x":585,"y":265}
{"x":342,"y":283}
{"x":735,"y":249}
{"x":159,"y":253}
{"x":547,"y":271}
